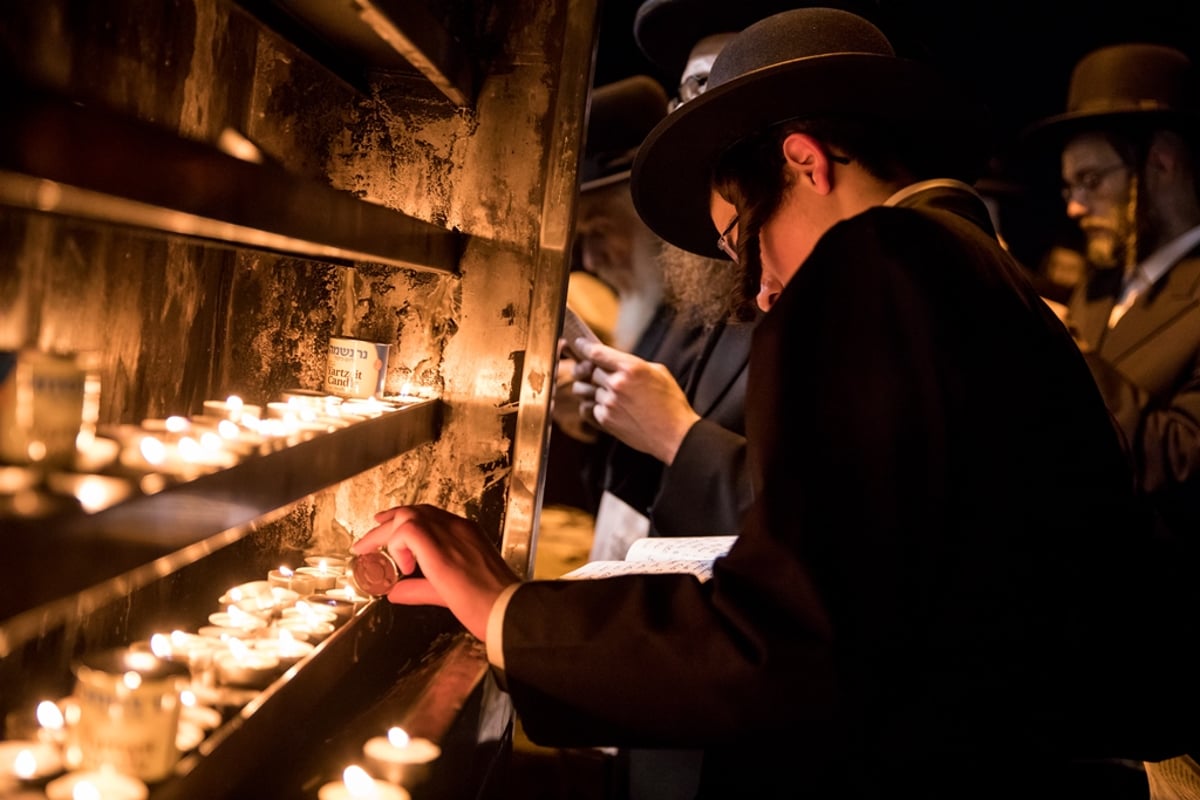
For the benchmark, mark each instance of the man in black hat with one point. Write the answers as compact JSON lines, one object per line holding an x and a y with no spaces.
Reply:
{"x":1130,"y":161}
{"x":909,"y":609}
{"x":1131,"y":179}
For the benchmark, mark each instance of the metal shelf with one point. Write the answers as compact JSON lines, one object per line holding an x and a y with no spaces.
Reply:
{"x":63,"y":158}
{"x":81,"y":559}
{"x":372,"y":37}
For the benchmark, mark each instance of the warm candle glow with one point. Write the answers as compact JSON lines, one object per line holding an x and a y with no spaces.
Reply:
{"x":152,"y":450}
{"x":285,"y":571}
{"x":131,"y":679}
{"x":358,"y":781}
{"x":176,"y":424}
{"x":86,"y":790}
{"x":160,"y":645}
{"x":25,"y":765}
{"x":49,"y":716}
{"x":398,"y":737}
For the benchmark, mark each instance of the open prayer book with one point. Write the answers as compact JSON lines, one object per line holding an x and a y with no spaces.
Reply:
{"x":694,"y":554}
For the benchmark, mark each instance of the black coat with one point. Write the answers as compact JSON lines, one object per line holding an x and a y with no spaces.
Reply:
{"x":945,"y":577}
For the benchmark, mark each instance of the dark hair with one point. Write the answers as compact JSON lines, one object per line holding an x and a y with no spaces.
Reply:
{"x":751,"y":174}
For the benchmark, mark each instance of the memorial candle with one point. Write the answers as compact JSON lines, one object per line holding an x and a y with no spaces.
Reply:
{"x":356,"y":784}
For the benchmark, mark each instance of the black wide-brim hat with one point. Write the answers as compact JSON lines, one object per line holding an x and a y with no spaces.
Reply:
{"x":807,"y":62}
{"x":1133,"y":84}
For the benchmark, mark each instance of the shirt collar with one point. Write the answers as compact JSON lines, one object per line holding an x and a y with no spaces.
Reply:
{"x":1165,"y":257}
{"x":920,"y":186}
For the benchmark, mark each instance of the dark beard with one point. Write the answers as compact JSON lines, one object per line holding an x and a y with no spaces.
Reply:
{"x":706,"y":290}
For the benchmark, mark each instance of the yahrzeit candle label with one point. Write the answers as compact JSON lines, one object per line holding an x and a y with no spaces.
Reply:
{"x":356,"y":367}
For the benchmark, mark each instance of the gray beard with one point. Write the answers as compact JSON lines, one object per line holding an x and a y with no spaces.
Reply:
{"x":699,"y":289}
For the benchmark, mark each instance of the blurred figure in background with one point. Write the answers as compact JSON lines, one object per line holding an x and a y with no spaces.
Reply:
{"x":1130,"y":168}
{"x":1128,"y":144}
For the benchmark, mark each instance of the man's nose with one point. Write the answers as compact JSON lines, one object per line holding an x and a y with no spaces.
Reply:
{"x":768,"y":293}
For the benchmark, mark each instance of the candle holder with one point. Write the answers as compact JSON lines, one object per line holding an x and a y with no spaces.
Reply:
{"x":287,"y":578}
{"x":356,"y":784}
{"x":315,"y":631}
{"x":399,"y":758}
{"x":106,"y":783}
{"x":246,"y":668}
{"x":325,"y":577}
{"x":342,"y":608}
{"x":28,"y":760}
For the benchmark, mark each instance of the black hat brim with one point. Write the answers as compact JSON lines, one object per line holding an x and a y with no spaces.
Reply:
{"x":671,"y":180}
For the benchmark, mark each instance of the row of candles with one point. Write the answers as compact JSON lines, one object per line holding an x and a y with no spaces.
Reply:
{"x":261,"y":630}
{"x":231,"y":429}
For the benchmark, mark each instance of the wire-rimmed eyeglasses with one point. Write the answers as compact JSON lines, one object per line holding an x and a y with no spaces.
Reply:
{"x":723,"y":240}
{"x":1089,"y":180}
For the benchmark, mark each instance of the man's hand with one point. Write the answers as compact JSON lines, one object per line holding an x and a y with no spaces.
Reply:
{"x":564,"y":405}
{"x":637,"y":401}
{"x":460,"y":568}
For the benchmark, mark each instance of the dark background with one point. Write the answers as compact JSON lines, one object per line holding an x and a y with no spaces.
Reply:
{"x":1017,"y":56}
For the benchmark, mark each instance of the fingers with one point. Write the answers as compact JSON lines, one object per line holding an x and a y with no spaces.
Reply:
{"x":415,"y":592}
{"x":603,"y":356}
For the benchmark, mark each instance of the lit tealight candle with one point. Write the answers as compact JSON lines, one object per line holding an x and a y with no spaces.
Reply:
{"x":331,"y":563}
{"x":241,"y":666}
{"x":286,"y":578}
{"x":401,"y":758}
{"x":231,"y":408}
{"x":287,"y":647}
{"x":325,"y":575}
{"x":357,"y":784}
{"x":341,"y":608}
{"x":237,"y":620}
{"x":98,"y":784}
{"x":28,"y":760}
{"x":53,"y":725}
{"x":311,"y":612}
{"x":314,"y":630}
{"x":190,"y":710}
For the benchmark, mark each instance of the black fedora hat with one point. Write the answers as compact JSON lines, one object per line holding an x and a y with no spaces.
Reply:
{"x":620,"y":114}
{"x":807,"y":62}
{"x":1133,"y":83}
{"x":666,"y":30}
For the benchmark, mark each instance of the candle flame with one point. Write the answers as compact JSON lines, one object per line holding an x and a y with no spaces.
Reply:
{"x":175,"y":424}
{"x":323,"y":565}
{"x":160,"y":645}
{"x":398,"y":737}
{"x":187,"y":697}
{"x":189,"y":449}
{"x":131,"y":679}
{"x":152,"y":450}
{"x":286,"y":571}
{"x":234,"y":402}
{"x":228,"y":429}
{"x":49,"y":715}
{"x":25,"y":764}
{"x":358,"y":782}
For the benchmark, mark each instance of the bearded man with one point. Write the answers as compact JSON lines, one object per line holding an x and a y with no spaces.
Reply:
{"x":1129,"y":169}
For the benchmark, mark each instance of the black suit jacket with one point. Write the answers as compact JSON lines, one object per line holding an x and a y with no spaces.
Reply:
{"x":1148,"y":369}
{"x":944,"y":578}
{"x":707,"y":488}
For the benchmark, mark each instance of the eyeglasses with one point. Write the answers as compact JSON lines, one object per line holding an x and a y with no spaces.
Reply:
{"x":689,"y":89}
{"x":1089,"y":180}
{"x":723,"y":240}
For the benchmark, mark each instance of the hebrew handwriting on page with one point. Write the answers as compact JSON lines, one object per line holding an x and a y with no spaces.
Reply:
{"x":609,"y":569}
{"x":662,"y":554}
{"x":658,"y":548}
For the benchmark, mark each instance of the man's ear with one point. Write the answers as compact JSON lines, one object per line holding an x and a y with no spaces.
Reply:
{"x":808,"y":161}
